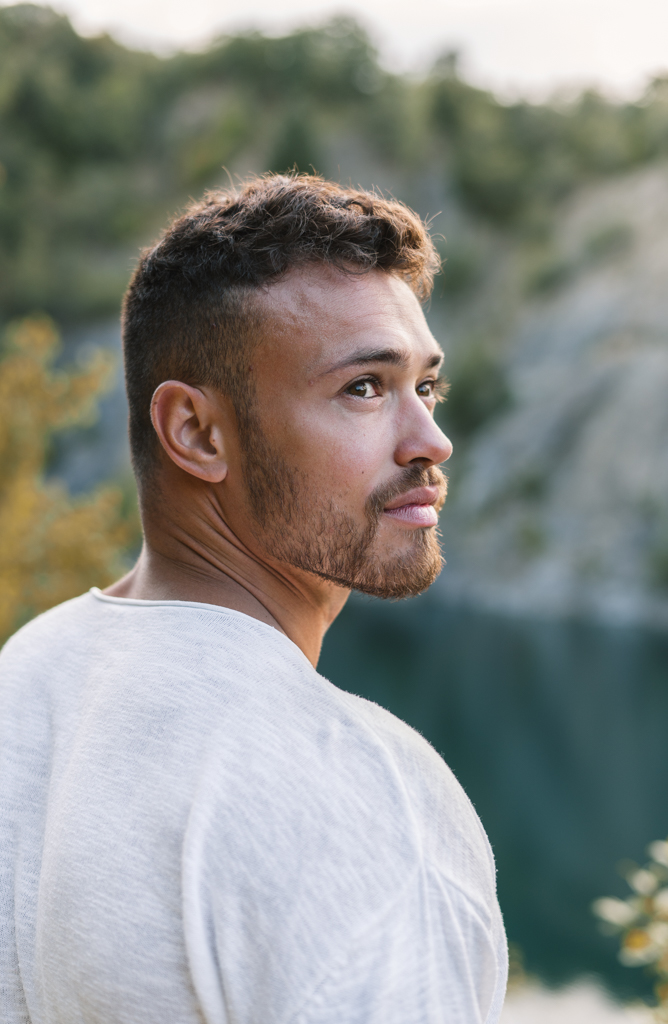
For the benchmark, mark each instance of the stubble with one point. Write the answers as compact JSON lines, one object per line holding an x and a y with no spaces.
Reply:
{"x":312,"y":533}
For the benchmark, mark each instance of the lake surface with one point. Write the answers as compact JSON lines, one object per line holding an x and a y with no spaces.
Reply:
{"x":559,"y":734}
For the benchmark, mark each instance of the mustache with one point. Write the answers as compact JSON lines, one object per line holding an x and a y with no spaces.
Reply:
{"x":410,"y":477}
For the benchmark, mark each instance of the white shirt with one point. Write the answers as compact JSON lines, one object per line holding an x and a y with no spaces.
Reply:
{"x":197,"y":827}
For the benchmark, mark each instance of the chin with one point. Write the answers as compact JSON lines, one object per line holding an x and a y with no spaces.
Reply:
{"x":405,"y":574}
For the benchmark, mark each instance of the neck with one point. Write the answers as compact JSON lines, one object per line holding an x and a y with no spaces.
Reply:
{"x":200,"y":559}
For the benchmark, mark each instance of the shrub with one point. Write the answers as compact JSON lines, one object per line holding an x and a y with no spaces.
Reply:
{"x":52,"y":547}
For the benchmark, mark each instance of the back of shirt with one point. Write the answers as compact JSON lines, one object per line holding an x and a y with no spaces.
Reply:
{"x":196,"y":826}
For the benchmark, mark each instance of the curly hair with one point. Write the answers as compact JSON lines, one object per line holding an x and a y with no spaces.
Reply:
{"x":188,"y":312}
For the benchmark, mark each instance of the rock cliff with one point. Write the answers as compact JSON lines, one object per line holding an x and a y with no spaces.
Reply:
{"x":559,"y":503}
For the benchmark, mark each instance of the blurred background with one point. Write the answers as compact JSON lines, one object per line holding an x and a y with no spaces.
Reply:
{"x":535,"y":138}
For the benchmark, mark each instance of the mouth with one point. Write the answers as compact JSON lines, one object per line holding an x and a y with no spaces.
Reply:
{"x":416,"y":507}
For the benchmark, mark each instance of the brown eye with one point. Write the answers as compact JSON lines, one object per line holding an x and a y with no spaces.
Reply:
{"x":361,"y":389}
{"x":426,"y":389}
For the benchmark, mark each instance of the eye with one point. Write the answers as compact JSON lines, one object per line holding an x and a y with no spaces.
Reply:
{"x":367,"y":388}
{"x":437,"y":389}
{"x":426,"y":389}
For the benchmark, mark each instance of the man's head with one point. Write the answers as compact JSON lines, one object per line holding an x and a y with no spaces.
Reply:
{"x":276,"y":352}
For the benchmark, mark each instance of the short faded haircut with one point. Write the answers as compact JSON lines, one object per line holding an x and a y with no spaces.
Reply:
{"x":188,"y":313}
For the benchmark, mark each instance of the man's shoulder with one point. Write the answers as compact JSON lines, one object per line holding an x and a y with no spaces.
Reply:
{"x":51,"y":627}
{"x":450,"y":830}
{"x":327,"y":815}
{"x":319,"y":765}
{"x":402,"y":740}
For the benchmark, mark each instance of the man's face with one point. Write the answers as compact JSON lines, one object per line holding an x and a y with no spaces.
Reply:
{"x":340,"y":454}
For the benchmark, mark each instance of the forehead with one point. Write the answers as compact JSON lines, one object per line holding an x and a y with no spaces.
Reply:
{"x":317,"y":315}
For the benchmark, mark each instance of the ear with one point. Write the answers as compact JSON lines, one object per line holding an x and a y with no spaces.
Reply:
{"x":189,"y":424}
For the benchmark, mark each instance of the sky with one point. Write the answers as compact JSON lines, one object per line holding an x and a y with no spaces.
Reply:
{"x":526,"y":47}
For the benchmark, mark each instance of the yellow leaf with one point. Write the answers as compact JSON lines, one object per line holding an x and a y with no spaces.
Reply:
{"x":52,"y":546}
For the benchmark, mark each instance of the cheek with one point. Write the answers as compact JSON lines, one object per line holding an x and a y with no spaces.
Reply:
{"x":342,"y":459}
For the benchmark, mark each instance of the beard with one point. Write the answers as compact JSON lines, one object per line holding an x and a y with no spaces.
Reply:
{"x":312,"y":533}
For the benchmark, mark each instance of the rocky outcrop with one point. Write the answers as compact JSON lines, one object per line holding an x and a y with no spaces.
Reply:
{"x":560,"y":503}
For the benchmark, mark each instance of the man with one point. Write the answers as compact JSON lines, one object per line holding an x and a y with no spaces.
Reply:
{"x":194,"y":825}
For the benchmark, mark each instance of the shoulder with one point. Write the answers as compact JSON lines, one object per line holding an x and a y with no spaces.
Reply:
{"x":33,"y":650}
{"x":50,"y":624}
{"x":340,"y":833}
{"x":337,"y":786}
{"x":451,"y":835}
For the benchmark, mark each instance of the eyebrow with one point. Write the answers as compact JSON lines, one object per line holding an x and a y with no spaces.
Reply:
{"x":390,"y":356}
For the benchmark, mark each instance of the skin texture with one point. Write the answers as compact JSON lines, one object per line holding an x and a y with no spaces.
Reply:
{"x":281,"y":518}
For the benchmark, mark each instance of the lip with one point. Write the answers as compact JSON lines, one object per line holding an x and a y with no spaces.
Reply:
{"x":418,"y":496}
{"x":416,"y":507}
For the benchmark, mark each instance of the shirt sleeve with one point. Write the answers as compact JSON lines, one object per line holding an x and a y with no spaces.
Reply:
{"x":431,"y":959}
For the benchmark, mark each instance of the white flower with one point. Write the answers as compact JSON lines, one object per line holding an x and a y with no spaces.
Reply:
{"x":658,"y":932}
{"x":643,"y":881}
{"x":658,"y":851}
{"x":638,"y":957}
{"x":638,"y":948}
{"x":661,"y":902}
{"x":615,"y":911}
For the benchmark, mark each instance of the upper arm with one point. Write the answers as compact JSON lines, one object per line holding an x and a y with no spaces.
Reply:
{"x":434,"y":958}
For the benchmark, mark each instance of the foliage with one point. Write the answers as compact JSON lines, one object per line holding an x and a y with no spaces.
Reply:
{"x":99,"y":143}
{"x":478,"y":390}
{"x":296,"y":146}
{"x":512,"y":162}
{"x":51,"y":546}
{"x":642,"y":920}
{"x":73,"y":115}
{"x":659,"y":567}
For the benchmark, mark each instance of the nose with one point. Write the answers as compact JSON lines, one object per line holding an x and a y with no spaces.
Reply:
{"x":422,"y":442}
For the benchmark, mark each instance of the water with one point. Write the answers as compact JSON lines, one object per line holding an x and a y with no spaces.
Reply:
{"x":559,"y":734}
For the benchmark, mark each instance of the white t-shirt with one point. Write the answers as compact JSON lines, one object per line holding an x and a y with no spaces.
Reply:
{"x":197,"y":827}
